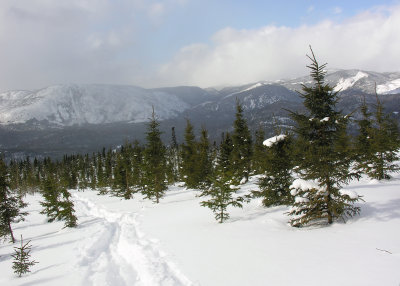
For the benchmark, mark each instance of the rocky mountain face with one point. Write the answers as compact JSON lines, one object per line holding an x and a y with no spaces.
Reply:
{"x":84,"y":118}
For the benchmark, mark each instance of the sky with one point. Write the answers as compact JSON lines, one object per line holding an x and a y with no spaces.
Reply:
{"x":207,"y":43}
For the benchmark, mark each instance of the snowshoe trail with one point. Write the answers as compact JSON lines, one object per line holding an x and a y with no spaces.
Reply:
{"x":121,"y":254}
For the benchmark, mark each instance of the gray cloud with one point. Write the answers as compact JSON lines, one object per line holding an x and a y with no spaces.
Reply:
{"x":44,"y":42}
{"x":367,"y":41}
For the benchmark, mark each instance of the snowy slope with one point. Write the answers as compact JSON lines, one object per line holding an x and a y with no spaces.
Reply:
{"x":66,"y":105}
{"x":345,"y":83}
{"x":177,"y":242}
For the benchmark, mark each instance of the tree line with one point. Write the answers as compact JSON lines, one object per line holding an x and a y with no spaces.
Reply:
{"x":318,"y":151}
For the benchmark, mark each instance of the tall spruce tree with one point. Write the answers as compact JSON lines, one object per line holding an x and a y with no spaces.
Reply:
{"x":242,"y":146}
{"x":154,"y":178}
{"x":323,"y":155}
{"x":204,"y":160}
{"x":173,"y":158}
{"x":189,"y":157}
{"x":10,"y":205}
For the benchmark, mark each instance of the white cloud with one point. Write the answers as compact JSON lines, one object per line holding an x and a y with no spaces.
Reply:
{"x":367,"y":41}
{"x":337,"y":10}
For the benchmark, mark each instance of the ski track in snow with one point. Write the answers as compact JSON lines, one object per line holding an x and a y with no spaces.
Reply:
{"x":121,"y":254}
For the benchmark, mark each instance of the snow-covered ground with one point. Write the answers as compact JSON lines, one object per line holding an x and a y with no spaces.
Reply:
{"x":177,"y":242}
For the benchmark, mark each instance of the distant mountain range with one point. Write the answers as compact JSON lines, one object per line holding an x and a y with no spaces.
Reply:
{"x":84,"y":118}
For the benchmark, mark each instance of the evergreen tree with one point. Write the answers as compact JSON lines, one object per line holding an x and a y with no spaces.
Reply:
{"x":242,"y":146}
{"x":384,"y":146}
{"x":221,"y":190}
{"x":67,"y":211}
{"x":123,"y":181}
{"x":173,"y":159}
{"x":189,"y":158}
{"x":154,"y":177}
{"x":224,"y":154}
{"x":57,"y":204}
{"x":221,"y":195}
{"x":10,"y":205}
{"x":363,"y":141}
{"x":50,"y":194}
{"x":259,"y":152}
{"x":22,"y":258}
{"x":204,"y":161}
{"x":323,"y":155}
{"x":274,"y":185}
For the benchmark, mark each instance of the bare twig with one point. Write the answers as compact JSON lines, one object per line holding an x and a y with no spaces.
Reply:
{"x":384,"y":250}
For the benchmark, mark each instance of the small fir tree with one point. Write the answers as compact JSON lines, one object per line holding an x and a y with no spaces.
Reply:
{"x":67,"y":211}
{"x":363,"y":141}
{"x":10,"y":205}
{"x":259,"y":152}
{"x":204,"y":161}
{"x":384,"y":146}
{"x":189,"y":156}
{"x":221,"y":195}
{"x":323,"y":154}
{"x":154,"y":178}
{"x":22,"y":259}
{"x":274,"y":185}
{"x":123,"y":177}
{"x":242,"y":146}
{"x":222,"y":191}
{"x":57,"y":204}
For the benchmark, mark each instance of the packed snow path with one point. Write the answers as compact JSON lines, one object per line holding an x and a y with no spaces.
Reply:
{"x":120,"y":254}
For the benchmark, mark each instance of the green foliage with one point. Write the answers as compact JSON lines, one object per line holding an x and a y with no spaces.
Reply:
{"x":154,"y":177}
{"x":323,"y":152}
{"x":242,"y":146}
{"x":10,"y":205}
{"x":204,"y":161}
{"x":22,"y":259}
{"x":126,"y":176}
{"x":259,"y":152}
{"x":274,"y":185}
{"x":189,"y":158}
{"x":377,"y":143}
{"x":221,"y":195}
{"x":57,"y":204}
{"x":314,"y":204}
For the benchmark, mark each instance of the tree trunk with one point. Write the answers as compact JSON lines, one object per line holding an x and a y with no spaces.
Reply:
{"x":11,"y":231}
{"x":328,"y":201}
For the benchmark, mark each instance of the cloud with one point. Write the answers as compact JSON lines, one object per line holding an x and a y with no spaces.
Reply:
{"x":368,"y":41}
{"x":44,"y":42}
{"x":337,"y":10}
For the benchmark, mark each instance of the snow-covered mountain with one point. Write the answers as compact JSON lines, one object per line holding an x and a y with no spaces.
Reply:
{"x":68,"y":105}
{"x":84,"y":118}
{"x":365,"y":81}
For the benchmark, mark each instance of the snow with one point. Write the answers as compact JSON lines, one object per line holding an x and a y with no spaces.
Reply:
{"x":325,"y":119}
{"x":178,"y":242}
{"x":304,"y":185}
{"x":344,"y":84}
{"x":350,"y":193}
{"x":273,"y":140}
{"x":67,"y":105}
{"x":389,"y":87}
